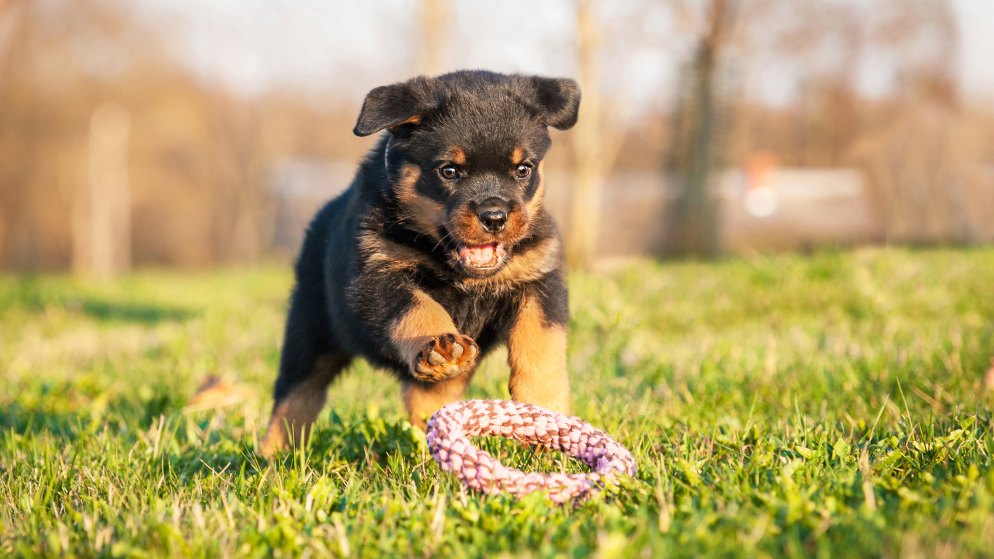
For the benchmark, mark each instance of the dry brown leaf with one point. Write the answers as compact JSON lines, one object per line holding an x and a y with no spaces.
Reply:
{"x":989,"y":378}
{"x":215,"y":393}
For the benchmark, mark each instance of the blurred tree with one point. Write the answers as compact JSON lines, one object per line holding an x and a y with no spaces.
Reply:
{"x":198,"y":156}
{"x":11,"y":36}
{"x":697,"y":141}
{"x":828,"y":48}
{"x":436,"y":17}
{"x":101,"y":207}
{"x":596,"y":140}
{"x":917,"y":151}
{"x":33,"y":154}
{"x":239,"y":199}
{"x":10,"y":17}
{"x":815,"y":48}
{"x":589,"y":163}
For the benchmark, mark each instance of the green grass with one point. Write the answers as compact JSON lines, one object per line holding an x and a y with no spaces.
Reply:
{"x":831,"y":405}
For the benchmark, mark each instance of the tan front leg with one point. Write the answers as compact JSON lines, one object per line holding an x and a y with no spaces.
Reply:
{"x":422,"y":399}
{"x":537,"y":356}
{"x":439,"y":359}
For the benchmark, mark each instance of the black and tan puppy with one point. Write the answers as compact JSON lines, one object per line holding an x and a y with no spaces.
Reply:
{"x":438,"y":251}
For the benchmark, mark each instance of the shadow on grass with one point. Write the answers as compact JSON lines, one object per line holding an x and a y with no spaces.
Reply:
{"x":122,"y":426}
{"x":32,"y":295}
{"x":106,"y":311}
{"x":364,"y":439}
{"x":23,"y":422}
{"x":66,"y":410}
{"x":225,"y":458}
{"x":65,"y":415}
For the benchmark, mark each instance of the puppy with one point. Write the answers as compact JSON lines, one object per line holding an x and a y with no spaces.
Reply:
{"x":439,"y":250}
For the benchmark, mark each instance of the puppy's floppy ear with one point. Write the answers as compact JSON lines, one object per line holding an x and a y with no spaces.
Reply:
{"x":388,"y":106}
{"x":557,"y":101}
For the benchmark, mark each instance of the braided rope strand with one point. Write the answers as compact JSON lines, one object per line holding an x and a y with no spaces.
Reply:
{"x":450,"y":429}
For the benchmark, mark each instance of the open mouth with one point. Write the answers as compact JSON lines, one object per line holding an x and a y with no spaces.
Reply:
{"x":483,"y":257}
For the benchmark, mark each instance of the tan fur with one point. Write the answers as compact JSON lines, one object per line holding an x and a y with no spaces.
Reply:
{"x":518,"y":223}
{"x":537,"y":356}
{"x":535,"y":204}
{"x":467,"y":227}
{"x":410,"y":333}
{"x":422,"y":400}
{"x":517,"y":156}
{"x":456,"y":155}
{"x":425,"y":213}
{"x":389,"y":256}
{"x":299,"y":408}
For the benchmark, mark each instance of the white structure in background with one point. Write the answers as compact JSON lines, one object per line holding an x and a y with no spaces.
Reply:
{"x":300,"y":187}
{"x":797,"y":208}
{"x":761,"y":201}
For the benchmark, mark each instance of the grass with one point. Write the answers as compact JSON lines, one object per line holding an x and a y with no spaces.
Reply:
{"x":826,"y":405}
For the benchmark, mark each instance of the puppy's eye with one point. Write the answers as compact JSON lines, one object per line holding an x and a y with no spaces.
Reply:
{"x":449,"y":173}
{"x":523,"y":171}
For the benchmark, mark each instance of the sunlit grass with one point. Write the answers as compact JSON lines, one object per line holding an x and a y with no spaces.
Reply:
{"x":830,"y":405}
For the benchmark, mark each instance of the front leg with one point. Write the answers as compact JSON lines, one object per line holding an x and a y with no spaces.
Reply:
{"x":439,"y":359}
{"x":537,"y":349}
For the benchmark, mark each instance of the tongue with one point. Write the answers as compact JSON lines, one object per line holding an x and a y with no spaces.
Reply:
{"x":478,"y":256}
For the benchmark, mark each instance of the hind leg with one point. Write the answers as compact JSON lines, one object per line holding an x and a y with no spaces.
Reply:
{"x":297,"y":406}
{"x":308,"y":363}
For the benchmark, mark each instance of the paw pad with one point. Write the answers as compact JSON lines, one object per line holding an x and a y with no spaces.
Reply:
{"x":445,"y":356}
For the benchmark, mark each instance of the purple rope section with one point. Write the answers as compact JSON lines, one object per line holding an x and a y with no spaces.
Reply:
{"x":450,"y":429}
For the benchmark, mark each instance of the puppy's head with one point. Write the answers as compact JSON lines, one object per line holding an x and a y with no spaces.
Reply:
{"x":464,"y":157}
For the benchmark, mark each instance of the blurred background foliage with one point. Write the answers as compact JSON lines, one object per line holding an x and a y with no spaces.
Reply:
{"x":191,"y":134}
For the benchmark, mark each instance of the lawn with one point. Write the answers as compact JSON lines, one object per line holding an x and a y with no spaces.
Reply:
{"x":825,"y":405}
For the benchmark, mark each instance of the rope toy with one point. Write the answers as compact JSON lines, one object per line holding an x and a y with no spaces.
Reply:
{"x":450,"y":428}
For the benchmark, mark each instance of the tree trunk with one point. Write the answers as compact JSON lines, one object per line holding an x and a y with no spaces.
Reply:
{"x":102,"y":209}
{"x":588,"y":147}
{"x":435,"y":30}
{"x":694,"y":216}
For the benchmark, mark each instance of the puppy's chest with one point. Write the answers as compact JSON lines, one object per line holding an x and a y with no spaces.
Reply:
{"x":475,"y":315}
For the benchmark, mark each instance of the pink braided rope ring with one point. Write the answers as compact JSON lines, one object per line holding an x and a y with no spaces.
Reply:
{"x":450,"y":428}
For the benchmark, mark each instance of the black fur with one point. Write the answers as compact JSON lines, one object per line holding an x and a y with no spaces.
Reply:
{"x":343,"y":303}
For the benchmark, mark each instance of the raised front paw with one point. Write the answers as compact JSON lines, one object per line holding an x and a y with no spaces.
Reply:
{"x":444,"y":357}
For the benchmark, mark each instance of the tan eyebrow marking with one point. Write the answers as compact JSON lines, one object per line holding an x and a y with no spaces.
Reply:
{"x":456,"y":155}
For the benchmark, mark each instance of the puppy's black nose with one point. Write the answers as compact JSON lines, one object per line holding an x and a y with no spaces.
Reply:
{"x":493,"y":219}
